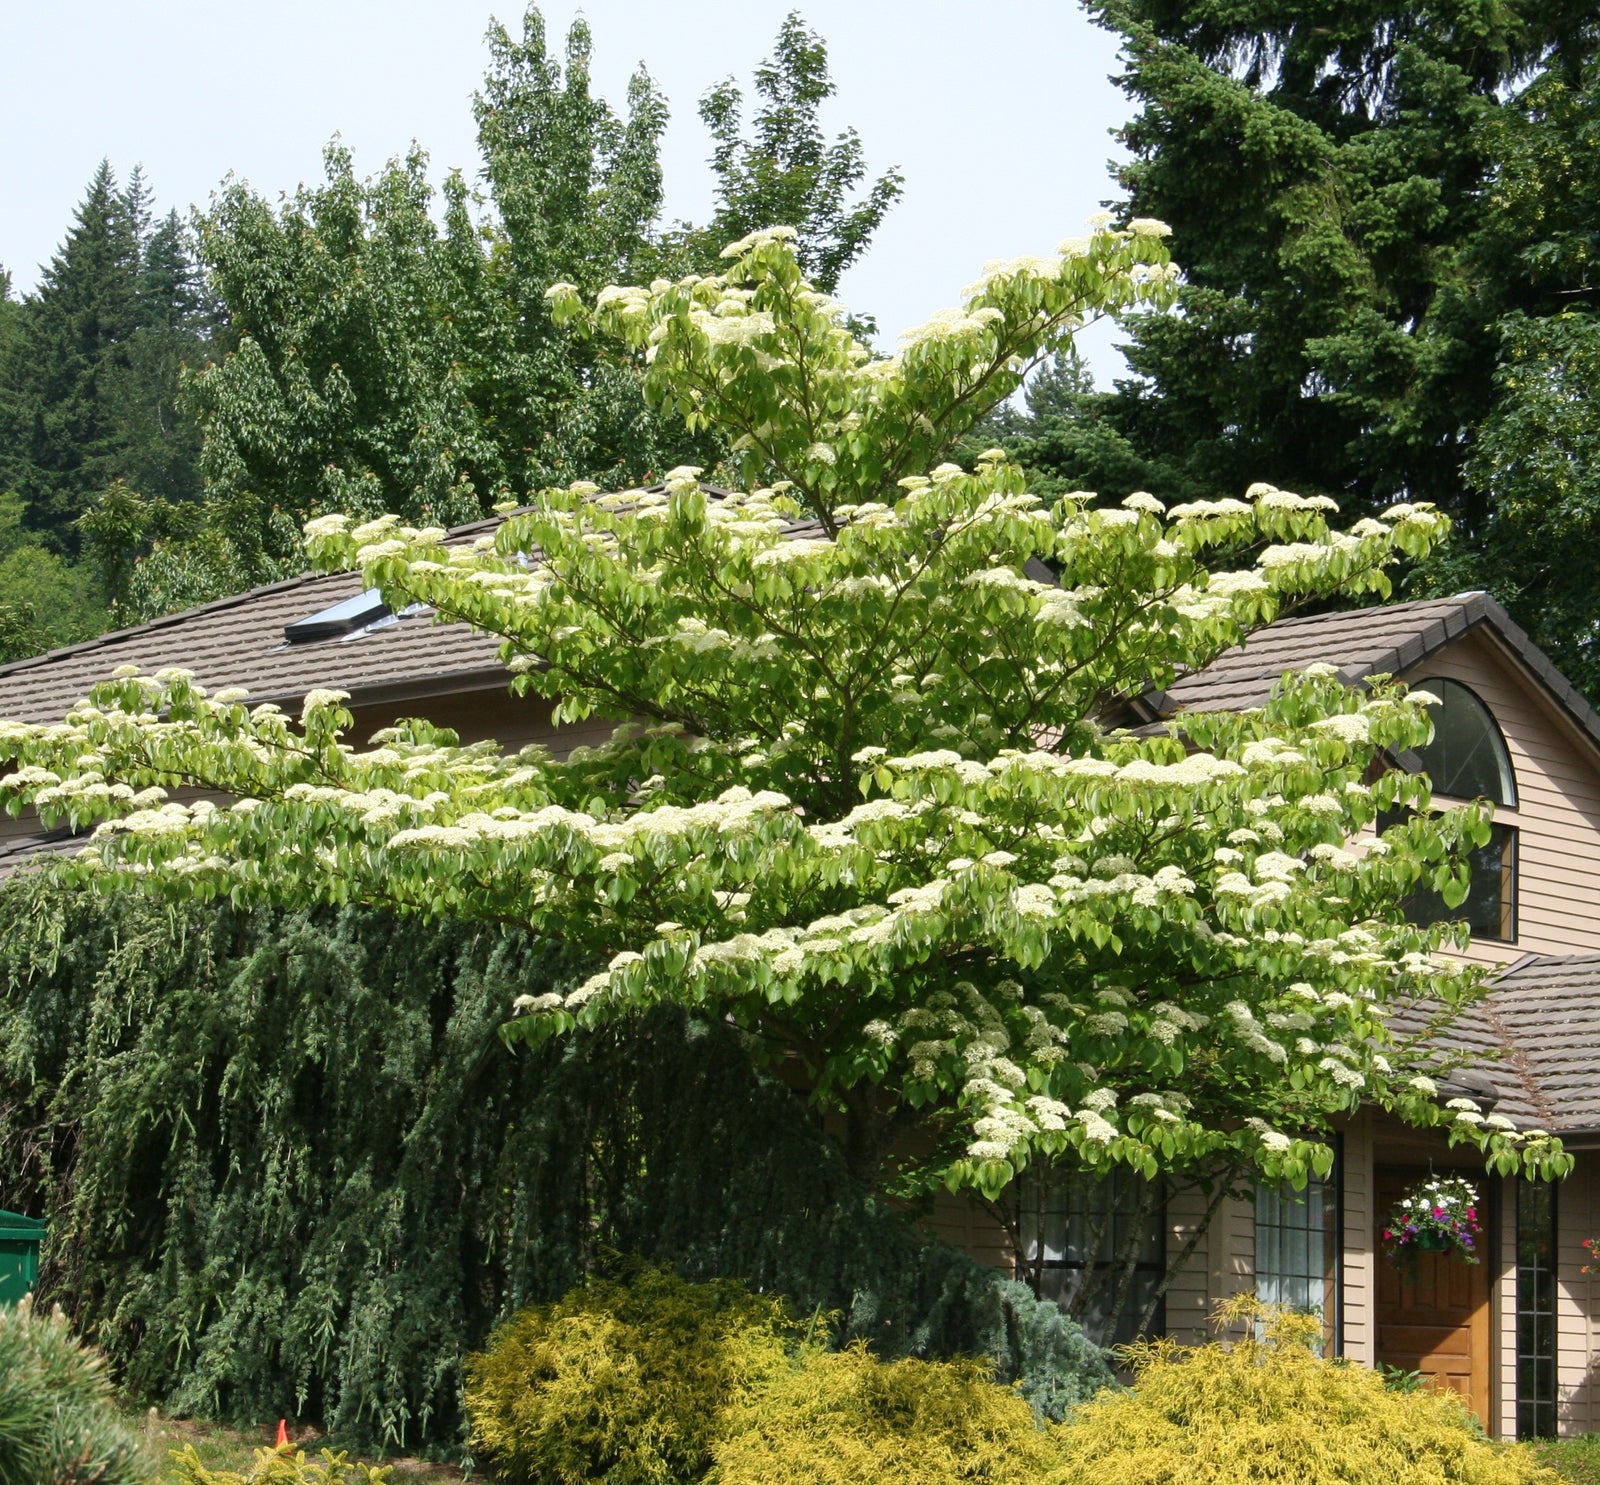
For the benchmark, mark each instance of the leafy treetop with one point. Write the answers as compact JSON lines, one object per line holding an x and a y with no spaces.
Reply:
{"x":865,"y":802}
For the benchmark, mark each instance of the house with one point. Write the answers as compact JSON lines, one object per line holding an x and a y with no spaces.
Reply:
{"x":1516,"y":1334}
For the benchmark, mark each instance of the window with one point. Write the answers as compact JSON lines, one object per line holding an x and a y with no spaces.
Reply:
{"x":1297,"y":1247}
{"x":1467,"y":758}
{"x":1065,"y":1215}
{"x":1490,"y":909}
{"x":1536,"y":1310}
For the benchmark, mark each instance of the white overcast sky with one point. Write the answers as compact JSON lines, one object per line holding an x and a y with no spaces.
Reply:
{"x":997,"y":111}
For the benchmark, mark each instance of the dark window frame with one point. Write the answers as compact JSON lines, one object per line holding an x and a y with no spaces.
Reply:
{"x":1333,"y":1238}
{"x":1425,"y":907}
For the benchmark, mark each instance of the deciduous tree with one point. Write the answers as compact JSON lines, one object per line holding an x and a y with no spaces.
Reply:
{"x":866,"y":803}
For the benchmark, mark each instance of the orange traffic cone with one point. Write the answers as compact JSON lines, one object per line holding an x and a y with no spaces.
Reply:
{"x":283,"y":1434}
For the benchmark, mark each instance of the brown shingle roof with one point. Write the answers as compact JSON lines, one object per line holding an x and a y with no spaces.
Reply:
{"x":239,"y":641}
{"x":1546,"y":1011}
{"x":1360,"y":643}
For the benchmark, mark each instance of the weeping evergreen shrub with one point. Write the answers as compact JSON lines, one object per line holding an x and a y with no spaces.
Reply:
{"x":290,"y":1169}
{"x":58,"y":1419}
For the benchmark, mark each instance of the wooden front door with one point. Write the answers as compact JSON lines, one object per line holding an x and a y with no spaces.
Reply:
{"x":1433,"y":1319}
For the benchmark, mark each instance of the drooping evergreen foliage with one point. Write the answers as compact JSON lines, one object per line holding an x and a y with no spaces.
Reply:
{"x":1385,"y":218}
{"x":290,"y":1168}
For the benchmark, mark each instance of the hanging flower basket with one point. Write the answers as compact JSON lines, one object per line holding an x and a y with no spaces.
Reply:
{"x":1435,"y":1216}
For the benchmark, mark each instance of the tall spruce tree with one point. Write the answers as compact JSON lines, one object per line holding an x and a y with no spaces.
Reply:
{"x":90,"y":363}
{"x":62,"y":444}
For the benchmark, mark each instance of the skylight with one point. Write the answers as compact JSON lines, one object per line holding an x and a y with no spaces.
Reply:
{"x":338,"y":619}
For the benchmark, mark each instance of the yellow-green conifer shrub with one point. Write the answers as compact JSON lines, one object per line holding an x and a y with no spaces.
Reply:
{"x":622,"y":1383}
{"x":846,"y":1418}
{"x":1268,"y":1408}
{"x":281,"y":1466}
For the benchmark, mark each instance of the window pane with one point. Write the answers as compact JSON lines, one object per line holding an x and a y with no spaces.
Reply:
{"x":1083,"y":1206}
{"x":1295,"y":1248}
{"x":1536,"y":1309}
{"x":1467,"y":757}
{"x":1490,"y":908}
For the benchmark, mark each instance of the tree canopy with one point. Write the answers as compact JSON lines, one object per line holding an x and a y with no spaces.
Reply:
{"x":867,"y":800}
{"x":1385,"y":217}
{"x":181,"y":402}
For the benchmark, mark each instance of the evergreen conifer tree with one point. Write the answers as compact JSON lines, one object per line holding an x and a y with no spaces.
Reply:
{"x":63,"y":439}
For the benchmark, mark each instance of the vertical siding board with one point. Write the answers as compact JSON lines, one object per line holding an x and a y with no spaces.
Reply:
{"x":1575,"y":1325}
{"x":1505,"y":1425}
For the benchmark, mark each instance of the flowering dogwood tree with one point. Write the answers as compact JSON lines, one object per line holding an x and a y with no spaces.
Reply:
{"x":867,"y":799}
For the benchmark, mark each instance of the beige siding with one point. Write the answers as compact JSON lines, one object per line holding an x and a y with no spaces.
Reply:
{"x":1503,"y":1295}
{"x":14,"y":827}
{"x":1188,"y":1296}
{"x":1558,"y":802}
{"x":961,"y":1220}
{"x":1577,"y":1318}
{"x":514,"y":722}
{"x":1231,"y":1250}
{"x":1358,"y":1274}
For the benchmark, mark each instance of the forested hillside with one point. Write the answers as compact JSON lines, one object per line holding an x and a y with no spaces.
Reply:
{"x":178,"y":396}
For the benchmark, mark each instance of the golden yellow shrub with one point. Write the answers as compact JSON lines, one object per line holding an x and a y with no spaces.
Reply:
{"x":846,"y":1418}
{"x":1268,"y":1408}
{"x":621,"y":1383}
{"x":277,"y":1467}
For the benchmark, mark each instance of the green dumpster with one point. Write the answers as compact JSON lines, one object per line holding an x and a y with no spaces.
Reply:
{"x":19,"y":1255}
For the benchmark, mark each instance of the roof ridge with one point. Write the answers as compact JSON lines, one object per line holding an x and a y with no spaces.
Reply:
{"x":1409,"y":605}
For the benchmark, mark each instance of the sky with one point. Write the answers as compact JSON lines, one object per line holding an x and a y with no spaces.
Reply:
{"x":998,"y":112}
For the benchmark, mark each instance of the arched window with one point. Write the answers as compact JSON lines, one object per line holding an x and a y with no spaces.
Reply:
{"x":1467,"y":758}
